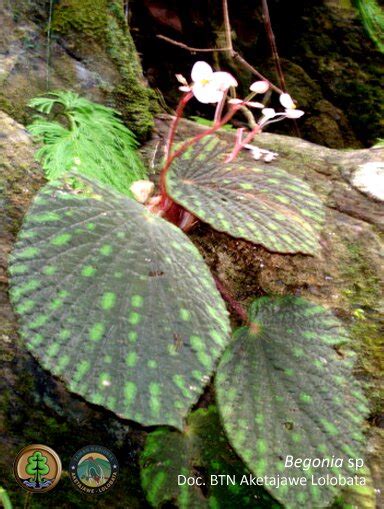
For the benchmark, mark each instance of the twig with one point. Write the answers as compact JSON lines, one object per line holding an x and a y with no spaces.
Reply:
{"x":234,"y":54}
{"x":235,"y":305}
{"x":126,"y":10}
{"x":189,"y":48}
{"x":237,"y":56}
{"x":272,"y":41}
{"x":49,"y":42}
{"x":227,"y":27}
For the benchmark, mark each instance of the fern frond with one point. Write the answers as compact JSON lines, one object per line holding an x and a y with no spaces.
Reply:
{"x":372,"y":15}
{"x":79,"y":134}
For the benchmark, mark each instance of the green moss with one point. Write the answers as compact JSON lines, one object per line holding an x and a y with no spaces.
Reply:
{"x":372,"y":16}
{"x":132,"y":98}
{"x":88,"y":17}
{"x":102,"y":23}
{"x":13,"y":109}
{"x":363,"y":296}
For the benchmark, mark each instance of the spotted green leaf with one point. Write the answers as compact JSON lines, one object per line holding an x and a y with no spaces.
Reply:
{"x":283,"y":390}
{"x":104,"y":293}
{"x":253,"y":201}
{"x":201,"y":451}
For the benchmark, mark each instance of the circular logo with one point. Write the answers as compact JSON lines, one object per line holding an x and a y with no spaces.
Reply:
{"x":37,"y":468}
{"x":93,"y":469}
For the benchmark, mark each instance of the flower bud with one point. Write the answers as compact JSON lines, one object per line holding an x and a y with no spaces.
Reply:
{"x":289,"y":113}
{"x":142,"y":190}
{"x":259,"y":87}
{"x":287,"y":102}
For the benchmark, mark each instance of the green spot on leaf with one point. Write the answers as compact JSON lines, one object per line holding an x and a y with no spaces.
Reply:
{"x":61,"y":240}
{"x":108,"y":300}
{"x":88,"y":271}
{"x":96,"y":332}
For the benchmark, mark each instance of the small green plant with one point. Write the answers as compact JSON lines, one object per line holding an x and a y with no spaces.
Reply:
{"x":77,"y":134}
{"x":4,"y":499}
{"x":372,"y":16}
{"x":116,"y":300}
{"x":209,"y":123}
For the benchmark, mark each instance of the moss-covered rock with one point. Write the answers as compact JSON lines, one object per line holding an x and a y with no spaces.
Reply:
{"x":102,"y":23}
{"x":87,"y":48}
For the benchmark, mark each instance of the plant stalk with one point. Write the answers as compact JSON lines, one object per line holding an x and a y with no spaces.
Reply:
{"x":234,"y":304}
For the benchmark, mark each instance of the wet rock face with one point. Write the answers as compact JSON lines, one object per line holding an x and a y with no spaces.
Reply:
{"x":331,"y":66}
{"x":86,"y":48}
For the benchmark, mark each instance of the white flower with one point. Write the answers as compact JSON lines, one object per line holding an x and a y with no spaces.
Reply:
{"x":268,"y":113}
{"x":269,"y":157}
{"x":180,"y":78}
{"x":142,"y":190}
{"x":291,"y":113}
{"x":258,"y":153}
{"x":209,"y":86}
{"x":251,"y":104}
{"x":290,"y":107}
{"x":259,"y":87}
{"x":287,"y":102}
{"x":184,"y":83}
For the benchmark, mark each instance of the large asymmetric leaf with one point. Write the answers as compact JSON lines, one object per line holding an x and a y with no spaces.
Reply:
{"x":254,"y":201}
{"x":117,"y":302}
{"x":201,"y":451}
{"x":283,"y":390}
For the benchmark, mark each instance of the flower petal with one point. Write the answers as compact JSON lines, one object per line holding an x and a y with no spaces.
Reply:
{"x":223,"y":80}
{"x":201,"y":71}
{"x":268,"y":113}
{"x":259,"y":87}
{"x":206,"y":93}
{"x":289,"y":113}
{"x":253,"y":104}
{"x":236,"y":101}
{"x":180,"y":78}
{"x":287,"y":102}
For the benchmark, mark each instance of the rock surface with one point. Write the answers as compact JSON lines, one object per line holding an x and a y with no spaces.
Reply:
{"x":83,"y":46}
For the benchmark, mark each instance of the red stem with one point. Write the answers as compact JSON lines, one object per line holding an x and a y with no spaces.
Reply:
{"x":190,"y":142}
{"x":219,"y":108}
{"x":239,"y":146}
{"x":175,"y":122}
{"x":236,"y":306}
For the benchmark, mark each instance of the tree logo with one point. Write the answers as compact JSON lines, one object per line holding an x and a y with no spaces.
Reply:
{"x":37,"y":468}
{"x":93,"y":469}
